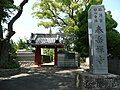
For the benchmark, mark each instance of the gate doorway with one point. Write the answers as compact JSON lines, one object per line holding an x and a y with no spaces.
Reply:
{"x":39,"y":41}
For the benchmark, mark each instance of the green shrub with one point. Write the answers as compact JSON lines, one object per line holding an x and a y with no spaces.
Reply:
{"x":12,"y":62}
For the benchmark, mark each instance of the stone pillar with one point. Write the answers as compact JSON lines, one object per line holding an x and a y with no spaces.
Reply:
{"x":37,"y":55}
{"x":97,"y":40}
{"x":55,"y":56}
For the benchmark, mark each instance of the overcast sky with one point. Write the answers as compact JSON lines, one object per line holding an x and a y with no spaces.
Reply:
{"x":26,"y":24}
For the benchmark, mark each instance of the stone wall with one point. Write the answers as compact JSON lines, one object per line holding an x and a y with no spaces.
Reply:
{"x":89,"y":81}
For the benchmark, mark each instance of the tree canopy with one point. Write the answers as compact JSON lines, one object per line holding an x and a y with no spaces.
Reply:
{"x":71,"y":17}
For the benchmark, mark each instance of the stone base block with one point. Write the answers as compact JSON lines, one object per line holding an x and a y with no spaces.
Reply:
{"x":89,"y":81}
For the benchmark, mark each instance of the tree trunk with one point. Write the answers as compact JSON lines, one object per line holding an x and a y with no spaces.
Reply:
{"x":10,"y":24}
{"x":4,"y":56}
{"x":1,"y":37}
{"x":1,"y":31}
{"x":5,"y":44}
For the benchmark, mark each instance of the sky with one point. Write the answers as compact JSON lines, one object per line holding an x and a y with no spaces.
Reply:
{"x":26,"y":24}
{"x":114,"y":7}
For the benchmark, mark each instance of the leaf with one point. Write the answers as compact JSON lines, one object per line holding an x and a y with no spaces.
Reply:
{"x":46,"y":24}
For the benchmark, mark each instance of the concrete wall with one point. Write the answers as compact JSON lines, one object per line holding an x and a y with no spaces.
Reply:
{"x":67,"y":60}
{"x":114,"y":65}
{"x":25,"y":56}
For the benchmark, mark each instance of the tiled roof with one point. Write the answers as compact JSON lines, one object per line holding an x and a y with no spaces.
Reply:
{"x":45,"y":39}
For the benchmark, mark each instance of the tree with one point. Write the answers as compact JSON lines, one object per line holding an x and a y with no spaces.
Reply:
{"x":81,"y":42}
{"x":113,"y":36}
{"x":71,"y":17}
{"x":60,"y":13}
{"x":21,"y":44}
{"x":48,"y":52}
{"x":5,"y":9}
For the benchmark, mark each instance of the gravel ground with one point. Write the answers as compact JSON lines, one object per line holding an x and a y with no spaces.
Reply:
{"x":41,"y":78}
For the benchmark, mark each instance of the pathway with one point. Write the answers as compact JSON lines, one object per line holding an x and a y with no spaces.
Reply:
{"x":42,"y":78}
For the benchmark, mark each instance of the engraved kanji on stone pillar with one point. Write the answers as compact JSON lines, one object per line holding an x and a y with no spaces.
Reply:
{"x":97,"y":40}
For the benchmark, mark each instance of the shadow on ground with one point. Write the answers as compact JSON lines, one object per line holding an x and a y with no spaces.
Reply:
{"x":41,"y":79}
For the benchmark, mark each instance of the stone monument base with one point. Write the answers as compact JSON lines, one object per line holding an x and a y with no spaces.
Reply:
{"x":88,"y":81}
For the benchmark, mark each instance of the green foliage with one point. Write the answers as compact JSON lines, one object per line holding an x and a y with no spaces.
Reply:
{"x":22,"y":44}
{"x":6,"y":8}
{"x":60,"y":13}
{"x":113,"y":38}
{"x":95,"y":2}
{"x":110,"y":22}
{"x":81,"y":43}
{"x":46,"y":24}
{"x":48,"y":52}
{"x":71,"y":16}
{"x":7,"y":49}
{"x":12,"y":62}
{"x":13,"y":50}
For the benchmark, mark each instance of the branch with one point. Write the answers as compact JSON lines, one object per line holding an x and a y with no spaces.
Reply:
{"x":76,"y":0}
{"x":62,"y":20}
{"x":71,"y":14}
{"x":57,"y":16}
{"x":10,"y":24}
{"x":55,"y":20}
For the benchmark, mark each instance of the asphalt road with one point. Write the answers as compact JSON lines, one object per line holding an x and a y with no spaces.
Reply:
{"x":41,"y":79}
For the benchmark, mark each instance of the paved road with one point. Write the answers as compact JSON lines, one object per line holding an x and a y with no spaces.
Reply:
{"x":45,"y":78}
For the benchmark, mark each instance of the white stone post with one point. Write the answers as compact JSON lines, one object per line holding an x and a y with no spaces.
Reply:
{"x":97,"y":40}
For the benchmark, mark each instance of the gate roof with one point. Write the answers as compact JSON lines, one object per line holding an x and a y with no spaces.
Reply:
{"x":46,"y":40}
